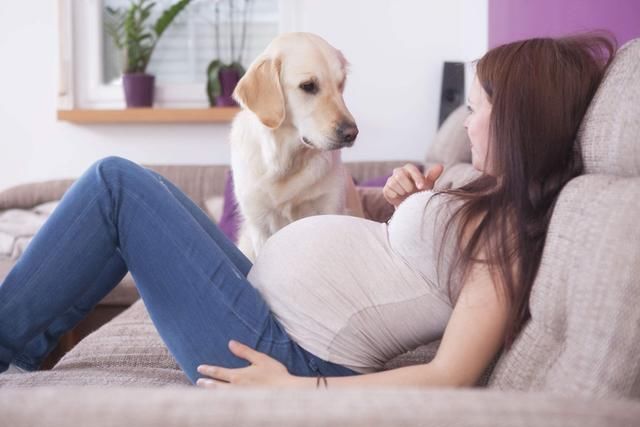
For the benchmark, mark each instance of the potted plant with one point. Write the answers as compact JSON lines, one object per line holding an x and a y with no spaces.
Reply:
{"x":131,"y":35}
{"x":222,"y":77}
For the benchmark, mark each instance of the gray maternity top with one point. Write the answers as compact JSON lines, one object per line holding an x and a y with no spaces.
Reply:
{"x":358,"y":292}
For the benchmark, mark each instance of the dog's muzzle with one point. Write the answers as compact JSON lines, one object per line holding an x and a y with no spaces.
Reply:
{"x":347,"y":133}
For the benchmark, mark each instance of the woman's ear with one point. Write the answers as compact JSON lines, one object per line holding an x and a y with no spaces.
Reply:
{"x":259,"y":90}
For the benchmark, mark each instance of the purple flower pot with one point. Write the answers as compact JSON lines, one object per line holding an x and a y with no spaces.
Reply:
{"x":229,"y":78}
{"x":138,"y":89}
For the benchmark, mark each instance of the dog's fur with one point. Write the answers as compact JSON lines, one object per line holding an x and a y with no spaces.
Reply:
{"x":285,"y":143}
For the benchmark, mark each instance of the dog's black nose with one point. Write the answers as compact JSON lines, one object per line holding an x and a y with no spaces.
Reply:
{"x":347,"y":131}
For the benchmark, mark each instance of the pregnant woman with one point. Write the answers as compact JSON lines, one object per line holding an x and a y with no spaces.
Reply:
{"x":331,"y":295}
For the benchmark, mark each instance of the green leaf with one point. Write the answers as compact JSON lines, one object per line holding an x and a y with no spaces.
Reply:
{"x":144,"y":37}
{"x":148,"y":8}
{"x":214,"y":87}
{"x":114,"y":24}
{"x":130,"y":33}
{"x":168,"y":16}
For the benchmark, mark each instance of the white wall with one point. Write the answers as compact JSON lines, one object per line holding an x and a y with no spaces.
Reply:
{"x":396,"y":48}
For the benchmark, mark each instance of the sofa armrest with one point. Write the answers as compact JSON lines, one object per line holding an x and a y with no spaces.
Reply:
{"x":192,"y":406}
{"x":199,"y":182}
{"x":26,"y":196}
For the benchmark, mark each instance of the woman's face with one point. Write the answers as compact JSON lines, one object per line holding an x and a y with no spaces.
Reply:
{"x":477,"y":125}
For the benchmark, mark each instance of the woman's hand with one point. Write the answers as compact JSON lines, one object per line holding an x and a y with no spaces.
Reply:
{"x":407,"y":180}
{"x":264,"y":370}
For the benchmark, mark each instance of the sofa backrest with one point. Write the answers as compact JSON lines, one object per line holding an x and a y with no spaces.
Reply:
{"x":202,"y":182}
{"x":584,"y":333}
{"x":609,"y":135}
{"x":199,"y":182}
{"x":451,"y":143}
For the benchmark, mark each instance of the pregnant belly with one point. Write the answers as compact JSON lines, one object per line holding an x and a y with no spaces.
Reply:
{"x":334,"y":284}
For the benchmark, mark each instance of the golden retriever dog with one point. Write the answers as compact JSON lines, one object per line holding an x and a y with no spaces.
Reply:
{"x":286,"y":140}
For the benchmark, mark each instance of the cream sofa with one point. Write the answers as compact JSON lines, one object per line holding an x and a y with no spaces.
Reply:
{"x":576,"y":363}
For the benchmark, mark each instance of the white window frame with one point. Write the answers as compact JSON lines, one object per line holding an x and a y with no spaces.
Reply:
{"x":81,"y":85}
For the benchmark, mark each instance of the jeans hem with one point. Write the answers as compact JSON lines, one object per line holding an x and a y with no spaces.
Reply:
{"x":26,"y":366}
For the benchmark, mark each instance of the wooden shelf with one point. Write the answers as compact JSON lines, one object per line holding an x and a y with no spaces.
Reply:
{"x":150,"y":115}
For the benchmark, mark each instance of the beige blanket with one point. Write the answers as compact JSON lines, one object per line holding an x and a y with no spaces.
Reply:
{"x":18,"y":226}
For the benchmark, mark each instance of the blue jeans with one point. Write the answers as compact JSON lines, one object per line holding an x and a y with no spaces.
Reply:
{"x":119,"y":217}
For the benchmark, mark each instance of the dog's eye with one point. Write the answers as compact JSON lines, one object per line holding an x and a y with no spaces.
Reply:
{"x":309,"y":87}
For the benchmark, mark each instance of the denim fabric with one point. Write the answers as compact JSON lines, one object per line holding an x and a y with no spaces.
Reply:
{"x":119,"y":217}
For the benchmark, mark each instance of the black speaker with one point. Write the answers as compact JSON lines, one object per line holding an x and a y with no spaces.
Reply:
{"x":452,"y":94}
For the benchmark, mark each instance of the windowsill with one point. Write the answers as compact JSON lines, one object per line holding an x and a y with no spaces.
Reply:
{"x":150,"y":115}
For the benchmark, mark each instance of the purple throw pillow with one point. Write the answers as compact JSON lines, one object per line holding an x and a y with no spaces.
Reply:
{"x":229,"y":223}
{"x":380,"y":181}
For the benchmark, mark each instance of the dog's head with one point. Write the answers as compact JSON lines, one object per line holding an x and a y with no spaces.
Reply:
{"x":299,"y":80}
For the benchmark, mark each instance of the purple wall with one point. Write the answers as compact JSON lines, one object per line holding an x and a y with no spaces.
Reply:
{"x":511,"y":20}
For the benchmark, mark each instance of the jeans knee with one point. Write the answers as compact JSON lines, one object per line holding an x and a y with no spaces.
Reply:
{"x":113,"y":166}
{"x":114,"y":172}
{"x":114,"y":163}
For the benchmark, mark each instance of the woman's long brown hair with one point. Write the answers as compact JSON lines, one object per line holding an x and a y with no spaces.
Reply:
{"x":539,"y":90}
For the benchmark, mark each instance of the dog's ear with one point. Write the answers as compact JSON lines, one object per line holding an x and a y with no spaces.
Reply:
{"x":259,"y":90}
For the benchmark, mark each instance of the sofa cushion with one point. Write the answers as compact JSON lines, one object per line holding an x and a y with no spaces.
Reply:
{"x":451,"y":143}
{"x":130,"y":345}
{"x":610,"y":132}
{"x":128,"y":340}
{"x":131,"y":341}
{"x":584,"y":334}
{"x":259,"y":406}
{"x":5,"y":266}
{"x":128,"y":350}
{"x":198,"y":182}
{"x":26,"y":196}
{"x":124,"y":294}
{"x":456,"y":175}
{"x":125,"y":351}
